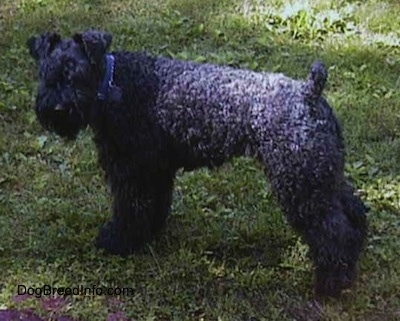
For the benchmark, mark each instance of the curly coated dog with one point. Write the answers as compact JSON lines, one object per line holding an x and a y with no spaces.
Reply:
{"x":151,"y":116}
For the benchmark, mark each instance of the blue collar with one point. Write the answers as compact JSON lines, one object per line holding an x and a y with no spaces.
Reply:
{"x":108,"y":81}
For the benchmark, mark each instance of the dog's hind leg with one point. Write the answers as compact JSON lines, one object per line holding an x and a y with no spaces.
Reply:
{"x":141,"y":205}
{"x":324,"y":210}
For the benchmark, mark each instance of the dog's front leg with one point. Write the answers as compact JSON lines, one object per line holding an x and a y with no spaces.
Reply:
{"x":141,"y":205}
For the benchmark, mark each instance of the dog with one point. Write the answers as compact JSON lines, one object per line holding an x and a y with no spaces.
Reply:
{"x":151,"y":116}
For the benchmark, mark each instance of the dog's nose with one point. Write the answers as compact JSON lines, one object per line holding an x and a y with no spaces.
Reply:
{"x":59,"y":107}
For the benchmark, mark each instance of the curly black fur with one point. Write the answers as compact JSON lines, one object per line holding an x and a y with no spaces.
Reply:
{"x":180,"y":114}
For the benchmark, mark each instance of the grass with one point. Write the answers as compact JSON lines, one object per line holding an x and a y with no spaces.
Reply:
{"x":227,"y":253}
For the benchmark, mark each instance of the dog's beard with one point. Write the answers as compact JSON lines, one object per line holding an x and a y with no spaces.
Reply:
{"x":64,"y":118}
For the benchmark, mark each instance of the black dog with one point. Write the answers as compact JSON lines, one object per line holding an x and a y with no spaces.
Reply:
{"x":152,"y":115}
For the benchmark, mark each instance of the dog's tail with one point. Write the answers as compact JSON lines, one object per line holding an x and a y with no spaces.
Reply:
{"x":316,"y":81}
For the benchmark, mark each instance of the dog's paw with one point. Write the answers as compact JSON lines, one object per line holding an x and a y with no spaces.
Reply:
{"x":331,"y":282}
{"x":112,"y":241}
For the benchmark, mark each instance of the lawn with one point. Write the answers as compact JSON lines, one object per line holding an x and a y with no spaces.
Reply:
{"x":227,"y":252}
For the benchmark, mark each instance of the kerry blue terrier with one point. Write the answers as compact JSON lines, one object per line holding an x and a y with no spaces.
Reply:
{"x":152,"y":115}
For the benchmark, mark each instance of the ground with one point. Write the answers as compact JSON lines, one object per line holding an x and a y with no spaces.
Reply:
{"x":227,"y":253}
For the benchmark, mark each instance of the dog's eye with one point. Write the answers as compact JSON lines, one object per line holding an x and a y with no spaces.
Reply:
{"x":52,"y":83}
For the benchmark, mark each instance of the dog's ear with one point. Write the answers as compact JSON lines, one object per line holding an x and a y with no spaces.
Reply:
{"x":94,"y":43}
{"x":43,"y":45}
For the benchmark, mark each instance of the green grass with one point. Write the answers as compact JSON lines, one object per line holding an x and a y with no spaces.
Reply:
{"x":227,"y":253}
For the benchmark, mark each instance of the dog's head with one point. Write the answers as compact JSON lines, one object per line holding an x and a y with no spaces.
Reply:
{"x":70,"y":73}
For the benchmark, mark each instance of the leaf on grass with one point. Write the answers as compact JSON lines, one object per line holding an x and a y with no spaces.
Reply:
{"x":358,"y":164}
{"x":39,"y":143}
